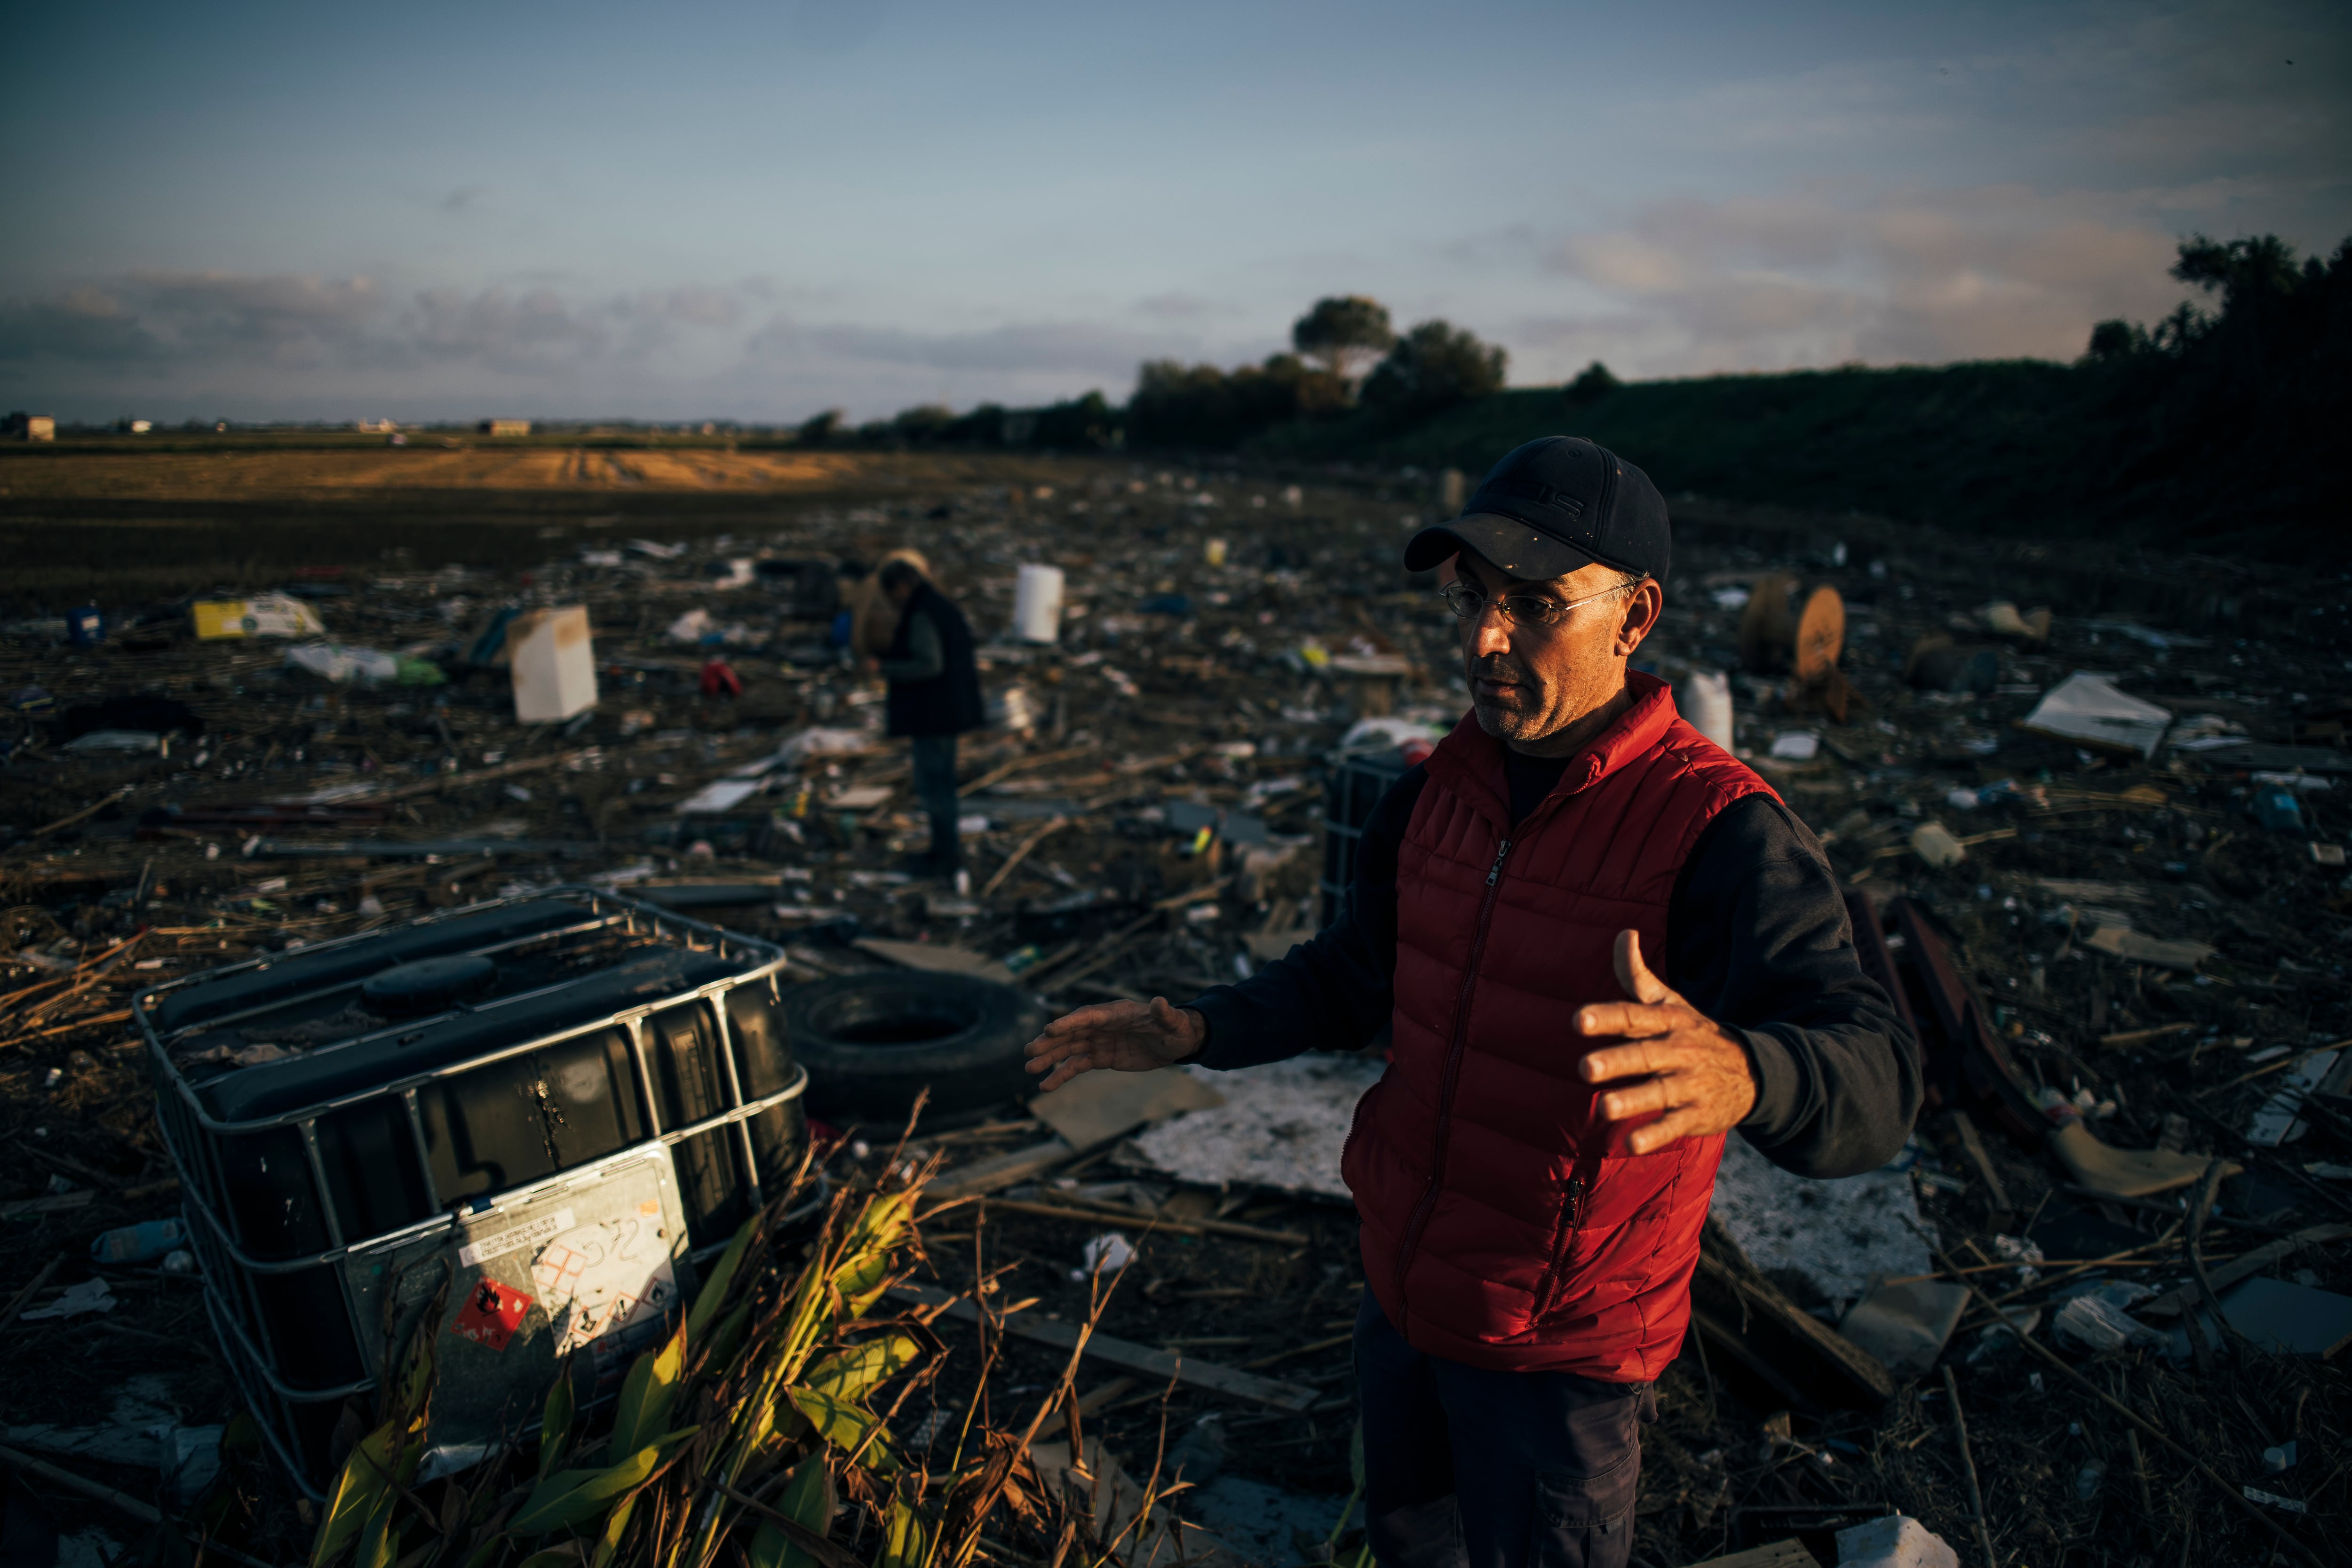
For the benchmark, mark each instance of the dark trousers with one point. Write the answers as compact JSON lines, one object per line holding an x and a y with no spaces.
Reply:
{"x":935,"y":786}
{"x":1470,"y":1469}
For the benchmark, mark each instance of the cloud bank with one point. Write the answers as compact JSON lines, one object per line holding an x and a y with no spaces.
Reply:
{"x":1824,"y":276}
{"x":1827,"y":273}
{"x":165,"y":339}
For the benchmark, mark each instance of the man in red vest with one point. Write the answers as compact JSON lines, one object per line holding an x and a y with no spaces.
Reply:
{"x":1533,"y":1171}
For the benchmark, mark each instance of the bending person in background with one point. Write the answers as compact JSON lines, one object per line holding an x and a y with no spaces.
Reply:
{"x":934,"y":680}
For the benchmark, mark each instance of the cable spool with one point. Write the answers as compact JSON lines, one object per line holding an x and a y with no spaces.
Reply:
{"x":1821,"y":636}
{"x":1768,"y":628}
{"x":1807,"y":643}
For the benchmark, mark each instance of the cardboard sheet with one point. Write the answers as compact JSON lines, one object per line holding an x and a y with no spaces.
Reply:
{"x":2089,"y":710}
{"x":1098,"y":1105}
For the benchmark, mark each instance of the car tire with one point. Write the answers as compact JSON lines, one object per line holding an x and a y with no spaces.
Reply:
{"x":872,"y":1042}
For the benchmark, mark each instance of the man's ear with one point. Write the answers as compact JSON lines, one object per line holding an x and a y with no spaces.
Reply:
{"x":1643,"y":608}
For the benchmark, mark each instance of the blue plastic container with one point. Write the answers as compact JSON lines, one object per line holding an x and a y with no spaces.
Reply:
{"x":86,"y":628}
{"x":2276,"y":808}
{"x":145,"y":1243}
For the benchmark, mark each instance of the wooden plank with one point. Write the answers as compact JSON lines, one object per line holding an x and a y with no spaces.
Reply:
{"x":1125,"y":1353}
{"x":1972,"y":1145}
{"x":1111,"y":1214}
{"x":940,"y":957}
{"x":1019,"y":764}
{"x":1727,"y":1339}
{"x":2133,"y":947}
{"x":2243,"y":1266}
{"x":1790,"y":1553}
{"x":2131,"y":1039}
{"x":1000,"y":1171}
{"x":1807,"y":1358}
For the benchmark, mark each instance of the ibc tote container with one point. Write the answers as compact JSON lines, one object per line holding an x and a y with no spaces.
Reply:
{"x":557,"y":1101}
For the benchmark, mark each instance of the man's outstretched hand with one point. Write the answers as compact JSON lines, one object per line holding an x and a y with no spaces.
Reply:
{"x":1696,"y":1077}
{"x":1125,"y":1037}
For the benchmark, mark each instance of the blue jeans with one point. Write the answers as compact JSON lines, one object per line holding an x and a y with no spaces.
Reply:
{"x":1465,"y":1467}
{"x":935,"y":786}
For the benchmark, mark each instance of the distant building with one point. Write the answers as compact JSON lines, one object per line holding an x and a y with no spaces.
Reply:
{"x":29,"y":427}
{"x":141,"y":426}
{"x":375,"y":426}
{"x":504,"y":427}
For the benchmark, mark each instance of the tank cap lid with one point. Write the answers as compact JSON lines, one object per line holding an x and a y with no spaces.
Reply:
{"x":427,"y":983}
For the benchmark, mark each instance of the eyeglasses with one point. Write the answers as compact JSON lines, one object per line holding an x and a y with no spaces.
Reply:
{"x":1519,"y":609}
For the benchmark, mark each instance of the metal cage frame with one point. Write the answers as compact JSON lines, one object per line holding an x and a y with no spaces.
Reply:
{"x":188,"y":1128}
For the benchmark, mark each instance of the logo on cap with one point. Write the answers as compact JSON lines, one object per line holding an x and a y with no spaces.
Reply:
{"x":1534,"y":490}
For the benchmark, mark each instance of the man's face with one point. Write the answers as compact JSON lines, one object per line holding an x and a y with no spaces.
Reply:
{"x":1529,"y":681}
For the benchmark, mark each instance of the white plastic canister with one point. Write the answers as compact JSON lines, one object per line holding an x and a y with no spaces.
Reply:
{"x":1038,"y":604}
{"x":1704,"y":699}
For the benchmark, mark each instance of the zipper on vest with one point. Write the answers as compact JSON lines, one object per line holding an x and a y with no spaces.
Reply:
{"x":1572,"y":1219}
{"x":1421,"y":1210}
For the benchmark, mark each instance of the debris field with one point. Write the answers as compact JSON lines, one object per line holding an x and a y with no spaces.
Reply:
{"x":2092,"y":1316}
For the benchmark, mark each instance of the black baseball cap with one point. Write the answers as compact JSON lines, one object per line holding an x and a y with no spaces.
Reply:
{"x":1558,"y":503}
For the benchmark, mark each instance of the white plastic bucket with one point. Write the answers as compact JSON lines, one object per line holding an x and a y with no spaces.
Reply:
{"x":1038,"y":604}
{"x":1704,"y":699}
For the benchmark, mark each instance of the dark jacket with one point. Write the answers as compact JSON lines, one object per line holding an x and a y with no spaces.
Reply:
{"x":947,"y":703}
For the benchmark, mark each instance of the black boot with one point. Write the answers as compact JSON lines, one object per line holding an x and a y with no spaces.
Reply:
{"x":946,"y":847}
{"x":943,"y":858}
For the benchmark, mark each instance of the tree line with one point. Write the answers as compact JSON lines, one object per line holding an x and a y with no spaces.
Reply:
{"x":2228,"y":413}
{"x":1347,"y":360}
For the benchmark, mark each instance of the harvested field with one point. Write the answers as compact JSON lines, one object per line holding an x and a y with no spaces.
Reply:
{"x":96,"y":521}
{"x":260,"y":474}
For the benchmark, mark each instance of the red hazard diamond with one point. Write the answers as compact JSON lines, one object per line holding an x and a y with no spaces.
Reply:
{"x":491,"y":1314}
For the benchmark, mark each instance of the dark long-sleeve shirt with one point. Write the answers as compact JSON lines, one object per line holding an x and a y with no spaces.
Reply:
{"x":1757,"y":939}
{"x":926,"y":654}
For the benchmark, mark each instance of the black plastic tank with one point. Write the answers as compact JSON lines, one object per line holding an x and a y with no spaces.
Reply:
{"x":1351,"y":789}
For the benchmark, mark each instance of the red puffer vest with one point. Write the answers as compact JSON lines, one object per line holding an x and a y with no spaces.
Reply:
{"x":1505,"y":1226}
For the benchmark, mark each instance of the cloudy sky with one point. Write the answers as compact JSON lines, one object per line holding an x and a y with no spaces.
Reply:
{"x":757,"y":211}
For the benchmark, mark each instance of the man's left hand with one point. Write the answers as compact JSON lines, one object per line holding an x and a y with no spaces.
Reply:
{"x":1696,"y":1080}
